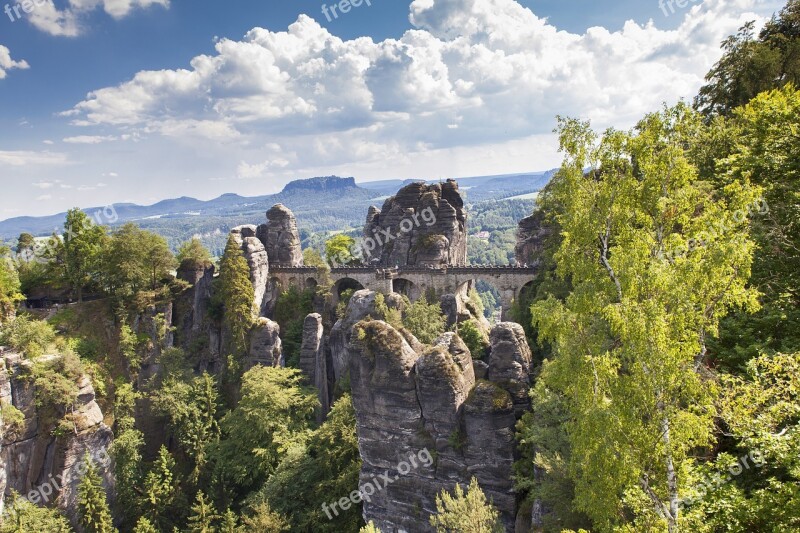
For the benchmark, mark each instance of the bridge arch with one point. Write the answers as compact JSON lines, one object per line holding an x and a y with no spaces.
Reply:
{"x":342,"y":285}
{"x":406,"y":287}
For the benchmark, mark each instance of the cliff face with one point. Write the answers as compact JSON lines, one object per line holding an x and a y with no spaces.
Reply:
{"x":532,"y":233}
{"x":422,"y":225}
{"x":412,"y":400}
{"x":44,"y":468}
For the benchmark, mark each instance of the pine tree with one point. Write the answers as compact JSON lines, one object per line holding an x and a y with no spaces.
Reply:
{"x":470,"y":513}
{"x":237,"y":296}
{"x":95,"y":516}
{"x":265,"y":520}
{"x":160,"y":491}
{"x":21,"y":516}
{"x":203,"y":515}
{"x":230,"y":523}
{"x":144,"y":526}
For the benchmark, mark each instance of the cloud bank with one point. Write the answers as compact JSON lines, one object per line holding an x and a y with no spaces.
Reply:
{"x":470,"y":73}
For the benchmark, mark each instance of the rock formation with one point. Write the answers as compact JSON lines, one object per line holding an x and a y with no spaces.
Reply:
{"x":265,"y":344}
{"x":314,"y":360}
{"x":422,"y":225}
{"x":281,"y":238}
{"x":190,"y":317}
{"x":257,"y":260}
{"x":532,"y":233}
{"x":409,"y":398}
{"x":38,"y":465}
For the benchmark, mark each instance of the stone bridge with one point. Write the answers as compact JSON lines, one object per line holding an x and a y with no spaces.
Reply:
{"x":414,"y":282}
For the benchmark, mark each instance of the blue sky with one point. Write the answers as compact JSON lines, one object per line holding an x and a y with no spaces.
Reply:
{"x":188,"y":99}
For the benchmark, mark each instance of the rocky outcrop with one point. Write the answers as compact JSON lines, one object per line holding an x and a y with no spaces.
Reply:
{"x":281,"y":238}
{"x":532,"y":234}
{"x":422,"y":225}
{"x":265,"y":344}
{"x":190,"y":316}
{"x":314,"y":360}
{"x":360,"y":306}
{"x":411,"y":399}
{"x":38,"y":463}
{"x":510,"y":363}
{"x":257,"y":260}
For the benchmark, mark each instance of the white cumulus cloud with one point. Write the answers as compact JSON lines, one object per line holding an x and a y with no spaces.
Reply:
{"x":6,"y":63}
{"x":47,"y":17}
{"x":470,"y":73}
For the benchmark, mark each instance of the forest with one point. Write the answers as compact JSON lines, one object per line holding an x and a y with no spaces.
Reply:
{"x":664,"y":325}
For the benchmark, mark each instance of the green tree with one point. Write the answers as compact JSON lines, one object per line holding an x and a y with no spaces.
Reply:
{"x":425,"y":320}
{"x":203,"y":516}
{"x":264,"y":519}
{"x":10,"y":287}
{"x":763,"y":151}
{"x":370,"y":528}
{"x":21,"y":516}
{"x":161,"y":503}
{"x":93,"y":511}
{"x":191,"y":412}
{"x":750,"y":66}
{"x":338,"y":250}
{"x":312,"y":258}
{"x":650,"y":283}
{"x":473,"y":338}
{"x":83,"y":242}
{"x":329,"y":463}
{"x":230,"y":523}
{"x":470,"y":513}
{"x":136,"y":260}
{"x":291,"y":309}
{"x":274,"y":413}
{"x":126,"y":450}
{"x":753,"y":484}
{"x":144,"y":526}
{"x":237,"y":294}
{"x":25,"y":243}
{"x":192,"y":254}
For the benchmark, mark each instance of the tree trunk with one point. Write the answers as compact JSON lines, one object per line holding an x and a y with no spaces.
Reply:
{"x":672,"y":478}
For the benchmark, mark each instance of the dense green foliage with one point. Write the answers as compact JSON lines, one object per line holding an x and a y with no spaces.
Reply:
{"x":95,"y":515}
{"x":328,"y":464}
{"x":21,"y":516}
{"x":750,"y":66}
{"x":466,"y":513}
{"x":629,"y":340}
{"x":273,"y":415}
{"x":10,"y":285}
{"x":425,"y":320}
{"x":237,"y":297}
{"x":291,"y":309}
{"x":192,"y":254}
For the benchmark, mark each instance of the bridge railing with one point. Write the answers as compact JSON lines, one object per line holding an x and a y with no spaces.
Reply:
{"x":476,"y":269}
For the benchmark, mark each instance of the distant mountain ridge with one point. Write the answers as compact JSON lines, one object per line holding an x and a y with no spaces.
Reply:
{"x":333,"y":202}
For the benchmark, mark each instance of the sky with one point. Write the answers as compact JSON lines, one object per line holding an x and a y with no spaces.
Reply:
{"x":108,"y":101}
